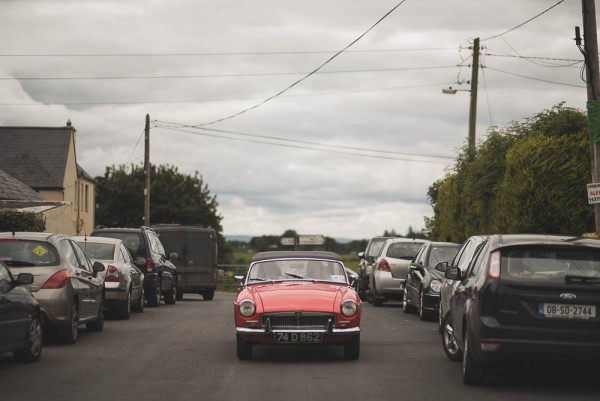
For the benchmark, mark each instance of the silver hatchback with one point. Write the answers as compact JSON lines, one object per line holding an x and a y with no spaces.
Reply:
{"x":65,"y":282}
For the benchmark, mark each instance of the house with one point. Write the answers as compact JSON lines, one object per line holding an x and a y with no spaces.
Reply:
{"x":44,"y":159}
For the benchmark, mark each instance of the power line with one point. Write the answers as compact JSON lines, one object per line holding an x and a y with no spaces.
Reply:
{"x":523,"y":23}
{"x":172,"y":125}
{"x":302,"y":147}
{"x":534,"y":78}
{"x":310,"y":74}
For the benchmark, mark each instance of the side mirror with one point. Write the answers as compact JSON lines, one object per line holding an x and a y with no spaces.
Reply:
{"x":361,"y":255}
{"x":441,"y":267}
{"x":24,"y":279}
{"x":453,"y":273}
{"x":97,"y":267}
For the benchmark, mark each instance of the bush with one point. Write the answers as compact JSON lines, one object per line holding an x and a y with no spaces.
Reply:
{"x":21,"y":221}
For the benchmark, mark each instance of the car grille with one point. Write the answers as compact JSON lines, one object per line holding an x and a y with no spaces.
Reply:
{"x":293,"y":320}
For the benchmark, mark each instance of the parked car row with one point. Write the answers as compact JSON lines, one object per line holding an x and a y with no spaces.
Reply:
{"x":54,"y":283}
{"x":505,"y":300}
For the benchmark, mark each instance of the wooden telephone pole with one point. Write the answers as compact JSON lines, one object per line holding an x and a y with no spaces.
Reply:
{"x":473,"y":102}
{"x":147,"y":172}
{"x":590,"y":38}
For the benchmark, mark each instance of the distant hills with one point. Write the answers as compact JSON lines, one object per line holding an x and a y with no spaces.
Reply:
{"x":247,"y":238}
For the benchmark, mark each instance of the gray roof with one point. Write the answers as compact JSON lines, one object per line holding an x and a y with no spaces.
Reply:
{"x":13,"y":189}
{"x":36,"y":156}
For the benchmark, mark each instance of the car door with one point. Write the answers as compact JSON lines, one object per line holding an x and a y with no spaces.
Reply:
{"x":464,"y":297}
{"x":415,"y":274}
{"x":13,"y":311}
{"x":91,"y":285}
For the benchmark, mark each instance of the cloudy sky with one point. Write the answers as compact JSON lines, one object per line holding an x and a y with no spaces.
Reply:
{"x":346,"y":152}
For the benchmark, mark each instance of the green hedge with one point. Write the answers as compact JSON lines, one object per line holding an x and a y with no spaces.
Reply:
{"x":20,"y":221}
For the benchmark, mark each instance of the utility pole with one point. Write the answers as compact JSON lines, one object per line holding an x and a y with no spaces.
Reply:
{"x":147,"y":172}
{"x":590,"y":38}
{"x":473,"y":104}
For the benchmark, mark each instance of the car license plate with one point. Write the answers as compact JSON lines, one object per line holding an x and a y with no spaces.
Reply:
{"x":568,"y":311}
{"x":298,"y":338}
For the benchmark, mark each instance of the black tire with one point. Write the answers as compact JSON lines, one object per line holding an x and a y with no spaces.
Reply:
{"x":153,"y":296}
{"x":352,"y":348}
{"x":124,"y":308}
{"x":139,"y":306}
{"x":440,"y":317}
{"x":376,"y":298}
{"x":362,"y":292}
{"x":244,"y":349}
{"x":449,"y":344}
{"x":33,"y":343}
{"x":473,"y":370}
{"x":424,"y":314}
{"x":179,"y":293}
{"x":208,"y":295}
{"x":171,"y":295}
{"x":406,"y":307}
{"x":68,"y":333}
{"x":98,"y":323}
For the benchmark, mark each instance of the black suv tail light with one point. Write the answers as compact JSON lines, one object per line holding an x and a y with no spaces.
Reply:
{"x":150,"y":265}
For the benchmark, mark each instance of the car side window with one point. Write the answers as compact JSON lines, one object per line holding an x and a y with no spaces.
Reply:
{"x":125,"y":254}
{"x":456,"y":262}
{"x":84,"y":262}
{"x":479,"y":261}
{"x":68,"y":253}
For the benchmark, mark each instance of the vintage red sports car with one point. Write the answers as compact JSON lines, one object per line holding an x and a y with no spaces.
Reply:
{"x":297,"y":297}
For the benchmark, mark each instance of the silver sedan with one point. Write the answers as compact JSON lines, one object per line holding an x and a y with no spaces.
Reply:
{"x":123,"y":281}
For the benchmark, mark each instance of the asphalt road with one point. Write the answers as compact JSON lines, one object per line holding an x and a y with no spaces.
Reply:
{"x":187,"y":352}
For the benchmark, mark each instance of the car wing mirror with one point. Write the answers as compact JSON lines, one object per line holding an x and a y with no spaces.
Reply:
{"x":453,"y":273}
{"x":361,"y":255}
{"x":441,"y":267}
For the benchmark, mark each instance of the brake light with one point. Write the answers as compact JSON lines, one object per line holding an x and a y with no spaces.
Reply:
{"x":57,"y":280}
{"x":112,"y":274}
{"x":494,"y":269}
{"x":150,"y":265}
{"x":383,"y":265}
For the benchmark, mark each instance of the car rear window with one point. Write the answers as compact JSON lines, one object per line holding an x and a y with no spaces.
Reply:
{"x":28,"y":253}
{"x":550,"y":263}
{"x":98,"y":251}
{"x":400,"y":250}
{"x":133,"y":241}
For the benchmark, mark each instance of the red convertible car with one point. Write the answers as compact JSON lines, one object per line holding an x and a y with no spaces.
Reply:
{"x":297,"y":297}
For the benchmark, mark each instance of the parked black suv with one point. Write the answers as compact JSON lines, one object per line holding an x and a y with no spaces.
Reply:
{"x":160,"y":275}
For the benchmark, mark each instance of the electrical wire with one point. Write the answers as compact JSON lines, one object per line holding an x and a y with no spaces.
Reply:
{"x":523,"y":23}
{"x":534,"y":78}
{"x":304,"y":147}
{"x":308,"y":75}
{"x":171,"y":125}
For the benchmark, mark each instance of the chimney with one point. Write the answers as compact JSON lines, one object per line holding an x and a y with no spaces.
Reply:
{"x":68,"y":123}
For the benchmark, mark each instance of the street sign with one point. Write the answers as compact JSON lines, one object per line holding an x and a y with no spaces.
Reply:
{"x":311,"y":240}
{"x":593,"y":191}
{"x":291,"y":241}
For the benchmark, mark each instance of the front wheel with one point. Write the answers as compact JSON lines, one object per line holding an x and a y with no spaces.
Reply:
{"x":33,"y":345}
{"x":124,"y":308}
{"x":244,"y":349}
{"x":352,"y":348}
{"x":424,"y":314}
{"x":171,"y":295}
{"x":449,"y":344}
{"x":98,"y":323}
{"x":406,"y":307}
{"x":208,"y":295}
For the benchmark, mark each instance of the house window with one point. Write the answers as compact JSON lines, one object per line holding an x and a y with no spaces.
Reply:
{"x":86,"y":198}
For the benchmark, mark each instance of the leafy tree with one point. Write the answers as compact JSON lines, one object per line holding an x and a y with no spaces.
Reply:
{"x":20,"y":221}
{"x":174,"y":198}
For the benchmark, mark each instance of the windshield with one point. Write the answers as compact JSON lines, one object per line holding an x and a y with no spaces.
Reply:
{"x":26,"y":253}
{"x":549,"y":263}
{"x":98,"y":251}
{"x":297,"y":269}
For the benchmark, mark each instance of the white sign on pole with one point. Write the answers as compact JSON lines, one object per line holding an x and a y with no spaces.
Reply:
{"x":291,"y":241}
{"x":593,"y":191}
{"x":311,"y":240}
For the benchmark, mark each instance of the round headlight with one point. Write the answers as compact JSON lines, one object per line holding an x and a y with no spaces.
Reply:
{"x":349,"y":308}
{"x":435,"y":285}
{"x":247,"y":308}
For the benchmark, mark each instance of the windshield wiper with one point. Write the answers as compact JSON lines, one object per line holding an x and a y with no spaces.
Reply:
{"x":570,"y":278}
{"x":294,"y":275}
